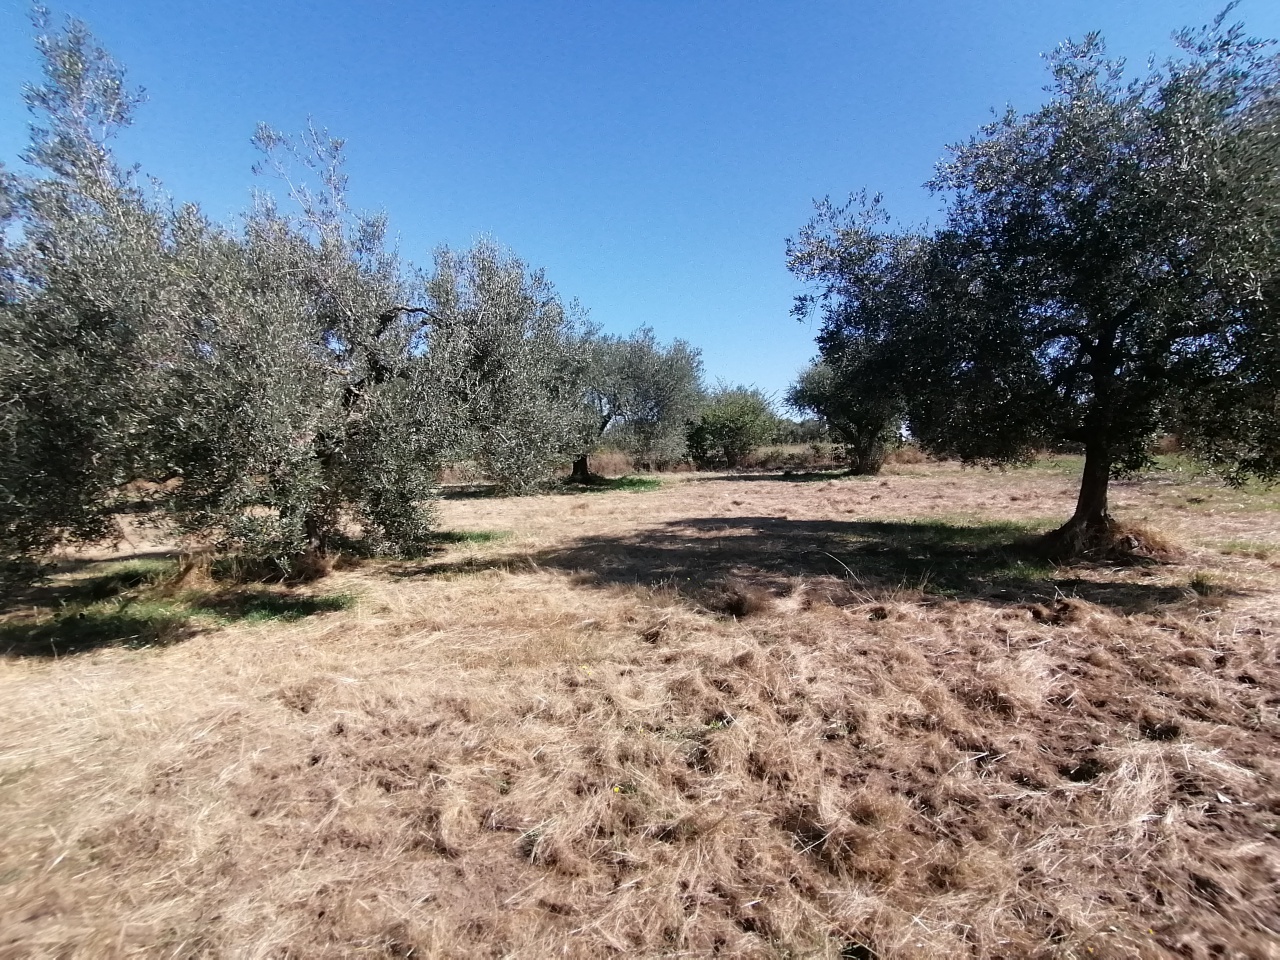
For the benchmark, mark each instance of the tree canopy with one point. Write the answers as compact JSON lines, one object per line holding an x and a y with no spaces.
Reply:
{"x":1107,"y":269}
{"x":508,"y":356}
{"x":864,"y":275}
{"x":279,"y":388}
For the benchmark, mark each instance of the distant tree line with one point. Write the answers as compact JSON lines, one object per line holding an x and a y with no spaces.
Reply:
{"x":1107,"y":270}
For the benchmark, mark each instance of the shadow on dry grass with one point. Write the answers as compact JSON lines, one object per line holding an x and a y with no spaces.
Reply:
{"x":564,"y":486}
{"x":783,"y":476}
{"x":111,"y":577}
{"x":524,"y":763}
{"x":131,"y":604}
{"x":993,"y":562}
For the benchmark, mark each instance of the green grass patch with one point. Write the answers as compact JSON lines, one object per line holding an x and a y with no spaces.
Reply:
{"x":261,"y":606}
{"x":1256,"y":549}
{"x":470,"y":536}
{"x":818,"y":476}
{"x":972,"y":530}
{"x":1200,"y":497}
{"x":109,"y":623}
{"x":629,"y":484}
{"x":1199,"y":488}
{"x":1192,"y":485}
{"x":1002,"y":562}
{"x":127,"y":605}
{"x":113,"y":579}
{"x":1059,"y":464}
{"x":1172,"y":465}
{"x":1177,"y":466}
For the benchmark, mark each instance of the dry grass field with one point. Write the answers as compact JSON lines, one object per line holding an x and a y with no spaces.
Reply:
{"x":760,"y":716}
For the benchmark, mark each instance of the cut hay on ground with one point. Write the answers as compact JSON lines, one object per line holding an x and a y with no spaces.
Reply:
{"x":745,"y":718}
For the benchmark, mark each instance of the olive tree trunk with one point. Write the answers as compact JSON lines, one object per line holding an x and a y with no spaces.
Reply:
{"x":1091,"y":504}
{"x":866,"y":458}
{"x":581,"y":470}
{"x":1090,"y":531}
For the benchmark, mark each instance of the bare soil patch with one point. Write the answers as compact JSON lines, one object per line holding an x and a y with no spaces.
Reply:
{"x":747,"y":717}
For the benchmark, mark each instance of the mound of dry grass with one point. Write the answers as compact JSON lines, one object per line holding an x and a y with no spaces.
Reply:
{"x":495,"y":755}
{"x":737,"y":598}
{"x":1114,"y":542}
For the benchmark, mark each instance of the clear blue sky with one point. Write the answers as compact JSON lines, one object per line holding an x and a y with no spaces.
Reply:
{"x":652,"y":156}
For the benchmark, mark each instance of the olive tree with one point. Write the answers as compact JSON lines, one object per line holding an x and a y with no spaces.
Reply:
{"x":83,"y":327}
{"x":301,"y":415}
{"x":272,"y":376}
{"x":846,"y":398}
{"x":732,"y":421}
{"x":667,"y":390}
{"x":642,"y":394}
{"x":864,"y":279}
{"x":1112,"y":256}
{"x":509,"y":361}
{"x":1107,"y":270}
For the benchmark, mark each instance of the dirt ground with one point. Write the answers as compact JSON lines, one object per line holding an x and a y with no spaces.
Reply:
{"x":763,"y":716}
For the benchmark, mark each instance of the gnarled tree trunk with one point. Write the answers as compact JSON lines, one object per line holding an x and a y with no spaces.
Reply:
{"x":581,"y":470}
{"x":1091,"y":504}
{"x":866,"y":458}
{"x":1090,"y":531}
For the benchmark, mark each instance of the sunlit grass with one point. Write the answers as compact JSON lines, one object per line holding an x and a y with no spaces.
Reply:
{"x":1255,"y":549}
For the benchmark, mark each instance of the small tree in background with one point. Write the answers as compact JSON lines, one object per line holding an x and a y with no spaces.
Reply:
{"x":866,"y":422}
{"x":811,"y":430}
{"x":666,"y":391}
{"x":606,"y":399}
{"x":732,"y":422}
{"x":641,"y":394}
{"x":867,"y":283}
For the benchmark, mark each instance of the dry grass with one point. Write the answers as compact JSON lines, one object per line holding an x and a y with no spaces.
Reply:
{"x":908,"y":453}
{"x":612,"y":463}
{"x":606,"y":462}
{"x":740,"y":717}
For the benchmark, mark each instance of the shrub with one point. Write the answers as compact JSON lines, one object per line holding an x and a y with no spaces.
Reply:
{"x":732,"y":423}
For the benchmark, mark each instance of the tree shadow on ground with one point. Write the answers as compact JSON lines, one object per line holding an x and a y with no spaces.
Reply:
{"x":126,"y":625}
{"x":784,"y":476}
{"x":566,"y":486}
{"x":469,"y":491}
{"x":626,"y":484}
{"x":262,"y":605}
{"x":121,"y":573}
{"x":130,"y":618}
{"x":454,"y":537}
{"x":992,"y":562}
